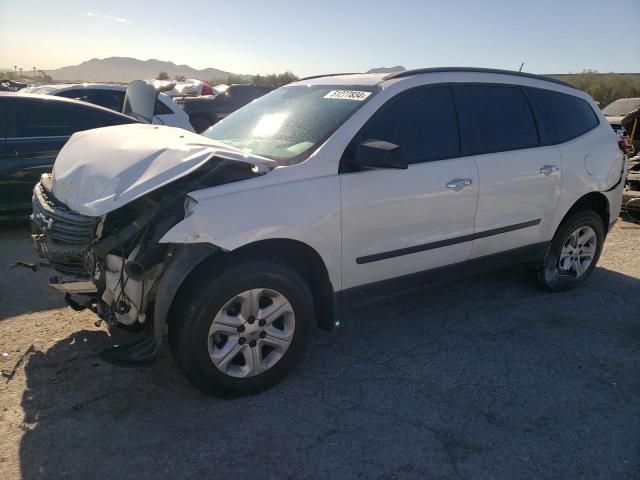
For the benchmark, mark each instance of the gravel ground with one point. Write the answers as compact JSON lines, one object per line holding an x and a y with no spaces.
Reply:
{"x":482,"y":378}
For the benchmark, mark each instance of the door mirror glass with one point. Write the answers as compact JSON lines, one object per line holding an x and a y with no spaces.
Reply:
{"x":372,"y":154}
{"x":140,"y":100}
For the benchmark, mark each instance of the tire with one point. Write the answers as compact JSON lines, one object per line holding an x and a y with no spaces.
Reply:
{"x":200,"y":334}
{"x":200,"y":124}
{"x":560,"y":270}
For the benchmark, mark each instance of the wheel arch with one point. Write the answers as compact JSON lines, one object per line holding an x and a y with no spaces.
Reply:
{"x":596,"y":201}
{"x":306,"y":261}
{"x":192,"y":261}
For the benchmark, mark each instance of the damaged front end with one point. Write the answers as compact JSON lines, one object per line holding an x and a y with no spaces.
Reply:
{"x":114,"y":263}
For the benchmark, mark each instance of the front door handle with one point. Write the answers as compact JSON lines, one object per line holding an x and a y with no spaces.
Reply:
{"x":458,"y":183}
{"x":548,"y":169}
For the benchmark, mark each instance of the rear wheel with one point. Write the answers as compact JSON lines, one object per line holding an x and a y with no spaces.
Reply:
{"x":573,"y":254}
{"x":243,"y":330}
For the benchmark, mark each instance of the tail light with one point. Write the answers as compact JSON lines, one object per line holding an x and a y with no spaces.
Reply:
{"x":206,"y":89}
{"x":623,"y":143}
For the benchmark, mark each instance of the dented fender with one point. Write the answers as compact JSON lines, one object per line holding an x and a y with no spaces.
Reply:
{"x":306,"y":211}
{"x":183,"y":260}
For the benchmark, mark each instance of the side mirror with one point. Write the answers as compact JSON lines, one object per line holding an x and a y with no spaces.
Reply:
{"x":372,"y":154}
{"x":140,"y":100}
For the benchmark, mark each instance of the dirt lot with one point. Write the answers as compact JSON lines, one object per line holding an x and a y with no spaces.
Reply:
{"x":484,"y":378}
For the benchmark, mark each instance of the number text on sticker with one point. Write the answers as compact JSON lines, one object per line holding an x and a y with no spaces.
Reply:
{"x":356,"y":95}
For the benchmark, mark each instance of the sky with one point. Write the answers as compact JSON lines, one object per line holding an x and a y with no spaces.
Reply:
{"x":321,"y":36}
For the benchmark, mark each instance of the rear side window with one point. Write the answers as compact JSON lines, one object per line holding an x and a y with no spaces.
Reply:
{"x":111,"y":99}
{"x":41,"y":119}
{"x":502,"y":118}
{"x":422,"y":122}
{"x":565,"y":116}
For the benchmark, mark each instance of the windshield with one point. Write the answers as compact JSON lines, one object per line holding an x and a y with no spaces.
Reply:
{"x":287,"y":124}
{"x":621,"y":107}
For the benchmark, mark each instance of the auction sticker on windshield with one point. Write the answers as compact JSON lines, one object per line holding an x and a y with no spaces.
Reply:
{"x":356,"y":95}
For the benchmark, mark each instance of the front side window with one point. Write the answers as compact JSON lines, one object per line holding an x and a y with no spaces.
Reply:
{"x":288,"y":124}
{"x":565,"y":116}
{"x":423,"y":123}
{"x":501,"y":117}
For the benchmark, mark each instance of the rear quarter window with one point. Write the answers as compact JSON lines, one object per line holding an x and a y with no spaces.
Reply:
{"x":162,"y":109}
{"x":565,"y":117}
{"x":105,"y":119}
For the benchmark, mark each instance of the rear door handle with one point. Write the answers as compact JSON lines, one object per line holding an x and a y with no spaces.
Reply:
{"x":548,"y":169}
{"x":458,"y":183}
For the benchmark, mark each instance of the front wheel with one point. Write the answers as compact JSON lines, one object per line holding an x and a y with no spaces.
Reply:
{"x":243,"y":330}
{"x":573,"y":254}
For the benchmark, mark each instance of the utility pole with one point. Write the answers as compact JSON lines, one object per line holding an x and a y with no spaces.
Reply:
{"x":34,"y":73}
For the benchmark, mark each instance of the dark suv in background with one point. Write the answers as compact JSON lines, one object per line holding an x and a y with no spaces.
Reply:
{"x":33,"y":128}
{"x":204,"y":111}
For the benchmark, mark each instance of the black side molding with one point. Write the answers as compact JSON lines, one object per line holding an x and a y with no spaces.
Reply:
{"x":444,"y":243}
{"x":365,"y":294}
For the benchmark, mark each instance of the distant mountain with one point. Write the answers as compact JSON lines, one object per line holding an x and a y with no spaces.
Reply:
{"x":397,"y":68}
{"x":125,"y":69}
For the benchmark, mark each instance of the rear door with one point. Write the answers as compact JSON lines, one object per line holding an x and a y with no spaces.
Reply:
{"x":519,"y":179}
{"x":38,"y":130}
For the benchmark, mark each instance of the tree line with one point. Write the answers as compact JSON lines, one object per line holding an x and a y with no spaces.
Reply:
{"x":273,"y":80}
{"x":605,"y":88}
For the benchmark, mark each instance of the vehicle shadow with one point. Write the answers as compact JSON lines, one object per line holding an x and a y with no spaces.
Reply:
{"x":22,"y":290}
{"x":482,"y":378}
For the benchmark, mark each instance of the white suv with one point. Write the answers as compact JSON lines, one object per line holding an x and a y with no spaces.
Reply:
{"x":166,"y":111}
{"x":319,"y":193}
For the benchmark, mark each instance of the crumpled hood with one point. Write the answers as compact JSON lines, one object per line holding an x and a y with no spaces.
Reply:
{"x":100,"y":170}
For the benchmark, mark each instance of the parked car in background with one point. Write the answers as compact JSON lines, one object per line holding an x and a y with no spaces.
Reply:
{"x":206,"y":111}
{"x":167,"y":112}
{"x":318,"y":195}
{"x":7,"y":85}
{"x":192,"y":88}
{"x":33,"y":128}
{"x":624,"y":117}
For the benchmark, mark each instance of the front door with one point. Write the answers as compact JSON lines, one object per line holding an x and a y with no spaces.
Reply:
{"x":398,"y":222}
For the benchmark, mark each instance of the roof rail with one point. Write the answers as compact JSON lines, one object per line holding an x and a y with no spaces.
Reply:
{"x":326,"y":75}
{"x":407,"y":73}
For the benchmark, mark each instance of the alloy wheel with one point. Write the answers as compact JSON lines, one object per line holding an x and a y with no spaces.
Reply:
{"x":578,"y":251}
{"x":251,"y":332}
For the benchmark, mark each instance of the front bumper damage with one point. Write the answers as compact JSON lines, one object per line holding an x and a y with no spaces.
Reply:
{"x":107,"y":264}
{"x":113,"y":262}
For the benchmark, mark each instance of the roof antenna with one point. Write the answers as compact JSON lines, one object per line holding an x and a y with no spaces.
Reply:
{"x":521,"y":65}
